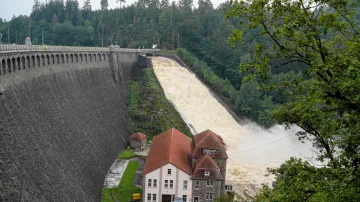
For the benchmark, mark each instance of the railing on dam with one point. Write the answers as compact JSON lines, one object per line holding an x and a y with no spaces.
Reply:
{"x":12,"y":48}
{"x":14,"y":58}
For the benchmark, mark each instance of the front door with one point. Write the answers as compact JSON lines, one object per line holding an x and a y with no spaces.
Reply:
{"x":166,"y":198}
{"x":196,"y":199}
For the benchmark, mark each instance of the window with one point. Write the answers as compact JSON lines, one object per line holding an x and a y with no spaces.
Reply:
{"x":210,"y":152}
{"x":209,"y":183}
{"x":155,"y":183}
{"x":149,"y":182}
{"x":207,"y":173}
{"x":149,"y":197}
{"x":169,"y":171}
{"x":166,"y":183}
{"x":228,"y":187}
{"x":197,"y":184}
{"x":209,"y":196}
{"x":154,"y":197}
{"x":185,"y":184}
{"x":171,"y":184}
{"x":184,"y":198}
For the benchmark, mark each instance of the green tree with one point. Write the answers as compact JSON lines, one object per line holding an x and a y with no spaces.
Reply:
{"x":324,"y":101}
{"x":87,"y":5}
{"x":104,"y":4}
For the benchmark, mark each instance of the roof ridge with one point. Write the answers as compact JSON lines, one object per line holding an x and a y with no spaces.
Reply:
{"x":202,"y":159}
{"x":203,"y":139}
{"x":171,"y":142}
{"x":216,"y":138}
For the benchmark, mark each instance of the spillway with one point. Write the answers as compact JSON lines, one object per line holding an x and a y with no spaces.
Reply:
{"x":251,"y":149}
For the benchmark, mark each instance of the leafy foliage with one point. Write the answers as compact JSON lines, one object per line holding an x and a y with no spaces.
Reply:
{"x":324,"y":100}
{"x":150,"y":112}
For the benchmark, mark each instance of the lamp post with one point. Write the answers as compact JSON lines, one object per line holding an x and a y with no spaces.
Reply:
{"x":0,"y":39}
{"x":42,"y":36}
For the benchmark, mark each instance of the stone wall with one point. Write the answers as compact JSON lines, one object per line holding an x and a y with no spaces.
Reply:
{"x":201,"y":192}
{"x":63,"y":120}
{"x":222,"y":164}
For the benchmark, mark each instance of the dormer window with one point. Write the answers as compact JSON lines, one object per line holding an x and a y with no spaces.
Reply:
{"x":207,"y":173}
{"x":211,"y":152}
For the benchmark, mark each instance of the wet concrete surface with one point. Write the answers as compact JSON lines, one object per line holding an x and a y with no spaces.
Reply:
{"x":59,"y":135}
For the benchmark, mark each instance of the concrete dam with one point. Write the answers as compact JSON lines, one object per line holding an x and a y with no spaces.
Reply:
{"x":63,"y":119}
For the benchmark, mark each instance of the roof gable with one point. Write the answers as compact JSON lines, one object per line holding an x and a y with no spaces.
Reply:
{"x":171,"y":146}
{"x":207,"y":134}
{"x":206,"y":162}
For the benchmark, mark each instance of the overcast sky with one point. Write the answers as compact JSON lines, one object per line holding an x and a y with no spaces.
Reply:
{"x":9,"y":8}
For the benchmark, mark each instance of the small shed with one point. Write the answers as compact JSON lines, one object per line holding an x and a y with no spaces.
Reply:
{"x":137,"y":140}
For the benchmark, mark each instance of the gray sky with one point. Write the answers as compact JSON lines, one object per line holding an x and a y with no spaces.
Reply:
{"x":9,"y":8}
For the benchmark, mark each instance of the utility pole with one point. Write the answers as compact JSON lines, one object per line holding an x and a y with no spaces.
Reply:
{"x":29,"y":28}
{"x":173,"y":38}
{"x":42,"y":36}
{"x":178,"y":40}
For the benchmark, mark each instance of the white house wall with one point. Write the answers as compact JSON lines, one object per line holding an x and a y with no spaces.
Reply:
{"x":161,"y":174}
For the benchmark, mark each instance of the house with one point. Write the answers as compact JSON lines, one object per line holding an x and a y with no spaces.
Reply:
{"x":209,"y":166}
{"x":167,"y":170}
{"x":137,"y":141}
{"x":183,"y":168}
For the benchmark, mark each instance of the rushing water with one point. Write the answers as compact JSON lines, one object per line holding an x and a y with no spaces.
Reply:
{"x":251,"y":149}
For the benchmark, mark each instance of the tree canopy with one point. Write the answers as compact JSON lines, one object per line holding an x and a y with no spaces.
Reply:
{"x":324,"y":100}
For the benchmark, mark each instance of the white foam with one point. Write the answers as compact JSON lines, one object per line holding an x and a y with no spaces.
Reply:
{"x":251,"y":149}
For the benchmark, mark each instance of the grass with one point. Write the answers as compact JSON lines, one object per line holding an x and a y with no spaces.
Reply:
{"x":150,"y":112}
{"x":126,"y":188}
{"x":129,"y":174}
{"x":126,"y":154}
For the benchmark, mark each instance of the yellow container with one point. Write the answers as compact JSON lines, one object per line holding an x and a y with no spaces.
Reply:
{"x":136,"y":196}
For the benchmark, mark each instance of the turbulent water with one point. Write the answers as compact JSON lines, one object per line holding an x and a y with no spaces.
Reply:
{"x":251,"y":149}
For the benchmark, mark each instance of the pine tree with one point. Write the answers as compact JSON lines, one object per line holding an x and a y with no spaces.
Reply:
{"x":36,"y":6}
{"x":87,"y":5}
{"x":104,"y":4}
{"x":54,"y":19}
{"x":164,"y":5}
{"x":120,"y":2}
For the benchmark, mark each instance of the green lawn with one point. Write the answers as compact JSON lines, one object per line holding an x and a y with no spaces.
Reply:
{"x":126,"y":188}
{"x":126,"y":154}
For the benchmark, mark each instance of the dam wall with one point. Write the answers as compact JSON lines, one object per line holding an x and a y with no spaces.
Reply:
{"x":63,"y":121}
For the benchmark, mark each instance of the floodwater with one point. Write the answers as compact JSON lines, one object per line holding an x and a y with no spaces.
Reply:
{"x":251,"y":149}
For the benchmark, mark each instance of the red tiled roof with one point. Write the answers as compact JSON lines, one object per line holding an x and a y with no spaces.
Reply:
{"x":205,"y":134}
{"x":171,"y":146}
{"x":138,"y":136}
{"x":208,"y":140}
{"x":206,"y":163}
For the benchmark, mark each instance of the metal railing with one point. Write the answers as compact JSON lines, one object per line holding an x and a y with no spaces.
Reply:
{"x":5,"y":48}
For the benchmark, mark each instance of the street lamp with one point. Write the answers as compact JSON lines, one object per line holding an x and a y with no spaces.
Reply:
{"x":0,"y":39}
{"x":42,"y":36}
